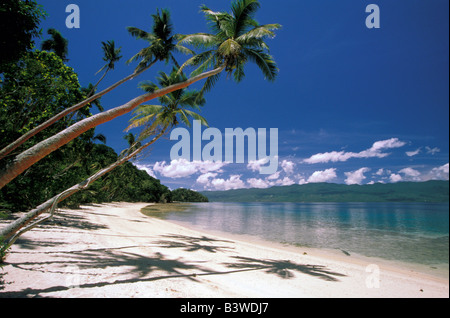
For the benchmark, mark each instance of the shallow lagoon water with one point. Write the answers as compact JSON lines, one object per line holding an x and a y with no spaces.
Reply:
{"x":408,"y":232}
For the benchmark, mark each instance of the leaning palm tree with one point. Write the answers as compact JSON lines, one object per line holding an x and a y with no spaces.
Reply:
{"x":57,"y":43}
{"x":111,"y":56}
{"x":175,"y":105}
{"x":231,"y":55}
{"x":160,"y":46}
{"x":157,"y":120}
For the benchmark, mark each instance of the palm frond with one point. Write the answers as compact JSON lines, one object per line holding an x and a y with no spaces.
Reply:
{"x":243,"y":12}
{"x":144,"y":114}
{"x":148,"y":86}
{"x":199,"y":59}
{"x":239,"y":72}
{"x":100,"y":137}
{"x":192,"y":98}
{"x":199,"y":40}
{"x":259,"y":32}
{"x":210,"y":82}
{"x":196,"y":116}
{"x":141,"y":34}
{"x":264,"y":61}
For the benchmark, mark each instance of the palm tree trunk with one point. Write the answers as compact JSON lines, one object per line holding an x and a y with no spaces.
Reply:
{"x":13,"y":231}
{"x":101,"y":79}
{"x":14,"y":145}
{"x":29,"y":157}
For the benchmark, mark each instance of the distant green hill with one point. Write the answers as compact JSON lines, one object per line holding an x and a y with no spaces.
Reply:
{"x":430,"y":191}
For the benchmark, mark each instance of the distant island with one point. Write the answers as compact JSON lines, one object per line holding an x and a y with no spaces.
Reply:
{"x":430,"y":191}
{"x":187,"y":195}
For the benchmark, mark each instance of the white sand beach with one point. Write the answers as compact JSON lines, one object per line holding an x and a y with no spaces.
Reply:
{"x":113,"y":250}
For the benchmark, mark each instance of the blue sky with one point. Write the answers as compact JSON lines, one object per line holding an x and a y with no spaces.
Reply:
{"x":352,"y":105}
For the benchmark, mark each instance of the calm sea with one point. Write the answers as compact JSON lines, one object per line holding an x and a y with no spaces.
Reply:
{"x":408,"y":232}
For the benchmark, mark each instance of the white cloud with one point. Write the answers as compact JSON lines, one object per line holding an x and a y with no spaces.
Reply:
{"x":356,"y":177}
{"x":258,"y":183}
{"x":234,"y":182}
{"x":395,"y":177}
{"x":255,"y":165}
{"x":286,"y":181}
{"x":323,"y":176}
{"x":287,"y":166}
{"x":438,"y":173}
{"x":410,"y":172}
{"x":432,"y":151}
{"x":274,"y":176}
{"x":374,"y":151}
{"x":333,"y":156}
{"x":204,"y":178}
{"x":413,"y":153}
{"x":181,"y":168}
{"x":146,"y":168}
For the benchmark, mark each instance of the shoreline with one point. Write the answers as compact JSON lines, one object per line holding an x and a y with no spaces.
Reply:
{"x":429,"y":271}
{"x":113,"y":250}
{"x":438,"y":270}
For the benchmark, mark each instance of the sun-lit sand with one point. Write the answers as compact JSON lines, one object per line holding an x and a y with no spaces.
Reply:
{"x":113,"y":250}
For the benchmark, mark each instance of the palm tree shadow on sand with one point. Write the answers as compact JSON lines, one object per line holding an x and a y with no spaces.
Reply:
{"x":150,"y":268}
{"x":284,"y":268}
{"x":193,"y":244}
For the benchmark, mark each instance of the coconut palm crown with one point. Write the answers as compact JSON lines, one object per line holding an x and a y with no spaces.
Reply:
{"x":174,"y":106}
{"x":111,"y":55}
{"x":161,"y":39}
{"x":236,"y":39}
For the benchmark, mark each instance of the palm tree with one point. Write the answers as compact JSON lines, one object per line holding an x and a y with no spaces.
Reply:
{"x":57,"y":43}
{"x":132,"y":144}
{"x":236,"y":39}
{"x":174,"y":109}
{"x":111,"y":56}
{"x":231,"y":54}
{"x":157,"y":120}
{"x":150,"y":55}
{"x":162,"y":42}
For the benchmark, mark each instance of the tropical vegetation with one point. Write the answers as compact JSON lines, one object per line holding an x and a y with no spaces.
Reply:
{"x":38,"y":91}
{"x":187,"y":195}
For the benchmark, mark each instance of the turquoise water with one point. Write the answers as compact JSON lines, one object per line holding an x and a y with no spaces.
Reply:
{"x":409,"y":232}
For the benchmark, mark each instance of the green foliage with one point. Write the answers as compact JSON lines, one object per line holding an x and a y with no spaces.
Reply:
{"x":126,"y":183}
{"x":57,"y":43}
{"x":431,"y":191}
{"x":187,"y":195}
{"x":235,"y":40}
{"x":111,"y":55}
{"x":19,"y":21}
{"x":3,"y":252}
{"x":32,"y":91}
{"x":161,"y":41}
{"x":174,"y":106}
